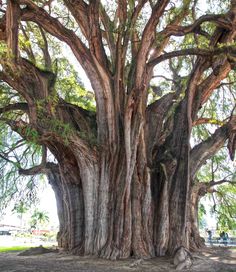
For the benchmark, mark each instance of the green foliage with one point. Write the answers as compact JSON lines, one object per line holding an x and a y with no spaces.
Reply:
{"x":226,"y":206}
{"x":53,"y":124}
{"x":222,"y":201}
{"x":39,"y":218}
{"x":15,"y":189}
{"x":70,"y":87}
{"x":217,"y":109}
{"x":19,"y":154}
{"x":3,"y":49}
{"x":6,"y":57}
{"x":64,"y":130}
{"x":31,"y":134}
{"x":47,"y":104}
{"x":20,"y":208}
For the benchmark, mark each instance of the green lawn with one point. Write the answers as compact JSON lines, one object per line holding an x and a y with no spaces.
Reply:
{"x":13,"y":248}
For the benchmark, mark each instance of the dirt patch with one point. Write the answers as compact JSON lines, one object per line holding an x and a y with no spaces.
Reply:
{"x":36,"y":251}
{"x":210,"y":260}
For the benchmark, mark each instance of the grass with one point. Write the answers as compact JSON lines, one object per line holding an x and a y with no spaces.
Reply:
{"x":13,"y":248}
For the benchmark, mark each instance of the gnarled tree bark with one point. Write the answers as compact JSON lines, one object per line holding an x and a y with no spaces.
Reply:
{"x":128,"y":192}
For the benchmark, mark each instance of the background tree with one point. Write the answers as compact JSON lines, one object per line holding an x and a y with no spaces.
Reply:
{"x":217,"y":170}
{"x":125,"y":168}
{"x":218,"y":186}
{"x":15,"y":154}
{"x":20,"y":209}
{"x":39,"y":218}
{"x":216,"y":182}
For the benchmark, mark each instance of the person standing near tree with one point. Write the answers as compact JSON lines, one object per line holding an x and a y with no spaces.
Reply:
{"x":224,"y":236}
{"x":209,"y":236}
{"x":225,"y":239}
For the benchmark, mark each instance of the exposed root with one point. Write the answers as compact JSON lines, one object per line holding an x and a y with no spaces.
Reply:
{"x":79,"y":250}
{"x":110,"y":252}
{"x":136,"y":263}
{"x":182,"y":258}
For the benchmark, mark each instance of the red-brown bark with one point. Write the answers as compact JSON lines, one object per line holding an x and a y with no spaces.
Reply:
{"x":128,"y":193}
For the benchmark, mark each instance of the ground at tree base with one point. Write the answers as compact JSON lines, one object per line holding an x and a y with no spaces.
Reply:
{"x":210,"y":260}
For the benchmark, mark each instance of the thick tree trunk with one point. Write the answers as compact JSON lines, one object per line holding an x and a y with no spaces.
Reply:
{"x":107,"y":205}
{"x":196,"y":241}
{"x":69,"y":200}
{"x":100,"y":213}
{"x":113,"y":201}
{"x":170,"y":186}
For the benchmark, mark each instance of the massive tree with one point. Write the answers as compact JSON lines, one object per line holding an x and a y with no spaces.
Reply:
{"x":125,"y":171}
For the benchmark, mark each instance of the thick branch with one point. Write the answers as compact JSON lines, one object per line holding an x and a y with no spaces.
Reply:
{"x":38,"y":169}
{"x":95,"y":36}
{"x":202,"y":188}
{"x":206,"y":149}
{"x":54,"y":27}
{"x":232,"y":137}
{"x":93,"y":66}
{"x":12,"y":107}
{"x":13,"y":83}
{"x":79,"y":10}
{"x":12,"y":27}
{"x":212,"y":121}
{"x":227,"y":50}
{"x":148,"y":37}
{"x":219,"y":20}
{"x":79,"y":118}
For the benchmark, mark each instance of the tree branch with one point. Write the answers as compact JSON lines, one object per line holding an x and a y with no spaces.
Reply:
{"x":38,"y":15}
{"x":155,"y":114}
{"x":38,"y":169}
{"x":81,"y":119}
{"x":79,"y":10}
{"x":17,"y":106}
{"x":45,"y":49}
{"x":227,"y":50}
{"x":108,"y":33}
{"x":95,"y":36}
{"x":232,"y":137}
{"x":7,"y":159}
{"x":212,"y":121}
{"x":219,"y":182}
{"x":218,"y":19}
{"x":12,"y":27}
{"x":202,"y":188}
{"x":148,"y":38}
{"x":203,"y":151}
{"x":28,"y":49}
{"x":91,"y":60}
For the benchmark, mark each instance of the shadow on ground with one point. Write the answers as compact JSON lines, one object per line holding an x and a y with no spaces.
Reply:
{"x":210,"y":260}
